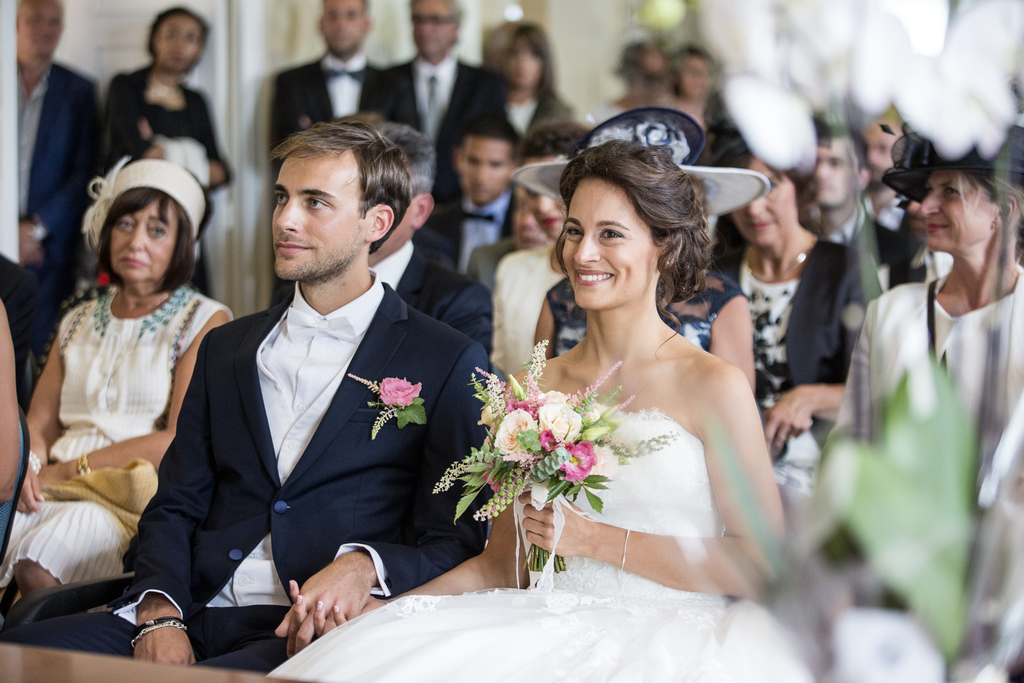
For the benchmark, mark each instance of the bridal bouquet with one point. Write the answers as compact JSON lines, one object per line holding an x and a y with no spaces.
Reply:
{"x":561,"y":444}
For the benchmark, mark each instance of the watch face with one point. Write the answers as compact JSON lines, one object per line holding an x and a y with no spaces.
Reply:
{"x":39,"y":232}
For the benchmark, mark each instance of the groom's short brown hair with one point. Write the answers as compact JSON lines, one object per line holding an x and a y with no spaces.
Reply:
{"x":383,"y":176}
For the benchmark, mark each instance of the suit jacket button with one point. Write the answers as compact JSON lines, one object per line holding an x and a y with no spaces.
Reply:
{"x":280,"y":507}
{"x":235,"y":554}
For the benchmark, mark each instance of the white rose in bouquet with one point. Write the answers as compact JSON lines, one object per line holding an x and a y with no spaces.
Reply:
{"x":564,"y":422}
{"x":515,"y":422}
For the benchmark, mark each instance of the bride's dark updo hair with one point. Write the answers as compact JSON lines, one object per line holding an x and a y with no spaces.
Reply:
{"x":665,"y":198}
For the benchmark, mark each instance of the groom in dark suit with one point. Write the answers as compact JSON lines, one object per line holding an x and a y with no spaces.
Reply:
{"x":276,"y":508}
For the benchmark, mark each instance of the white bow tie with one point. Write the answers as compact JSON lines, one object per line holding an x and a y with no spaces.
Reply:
{"x":301,"y":326}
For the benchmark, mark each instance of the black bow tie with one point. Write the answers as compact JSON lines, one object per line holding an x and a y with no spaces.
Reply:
{"x":480,"y":216}
{"x":359,"y":75}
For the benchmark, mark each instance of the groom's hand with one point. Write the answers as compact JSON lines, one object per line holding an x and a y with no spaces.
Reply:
{"x":165,"y":645}
{"x":329,"y":598}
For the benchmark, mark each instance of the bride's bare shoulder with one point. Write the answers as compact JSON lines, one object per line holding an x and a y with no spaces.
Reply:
{"x":706,"y":382}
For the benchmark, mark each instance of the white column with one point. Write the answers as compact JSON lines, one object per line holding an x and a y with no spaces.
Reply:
{"x":8,"y":132}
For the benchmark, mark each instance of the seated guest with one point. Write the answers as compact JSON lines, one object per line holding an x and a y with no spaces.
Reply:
{"x":10,"y":427}
{"x":541,"y":223}
{"x":799,"y":289}
{"x":339,"y":84}
{"x":111,"y":391}
{"x":439,"y":292}
{"x":530,"y":80}
{"x":277,"y":507}
{"x":18,"y":291}
{"x":57,"y":141}
{"x":484,"y":159}
{"x":436,"y":93}
{"x":717,"y":318}
{"x":973,"y":213}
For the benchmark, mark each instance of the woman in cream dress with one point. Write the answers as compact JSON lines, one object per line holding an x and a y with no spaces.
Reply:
{"x":110,"y":392}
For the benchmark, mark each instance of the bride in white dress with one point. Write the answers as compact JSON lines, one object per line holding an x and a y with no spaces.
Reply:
{"x":647,"y":605}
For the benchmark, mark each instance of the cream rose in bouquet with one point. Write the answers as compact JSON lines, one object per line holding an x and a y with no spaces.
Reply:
{"x":558,"y":444}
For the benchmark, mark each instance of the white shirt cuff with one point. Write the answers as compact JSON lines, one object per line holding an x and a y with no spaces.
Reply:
{"x":128,"y":611}
{"x":381,"y":589}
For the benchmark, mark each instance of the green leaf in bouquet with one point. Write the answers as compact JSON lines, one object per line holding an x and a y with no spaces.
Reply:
{"x":595,"y":501}
{"x":467,"y":499}
{"x":548,"y":465}
{"x":596,"y":481}
{"x":595,"y":432}
{"x":558,"y":489}
{"x":529,"y":439}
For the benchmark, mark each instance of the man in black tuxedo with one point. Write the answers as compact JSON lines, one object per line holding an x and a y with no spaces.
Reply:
{"x":338,"y":84}
{"x":484,"y":160}
{"x":18,"y":290}
{"x":435,"y":93}
{"x":421,"y":282}
{"x":273,"y":477}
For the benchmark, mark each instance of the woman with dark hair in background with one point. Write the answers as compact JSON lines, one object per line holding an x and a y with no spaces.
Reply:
{"x":111,"y":390}
{"x":800,"y":289}
{"x":150,"y":114}
{"x":694,"y":80}
{"x":530,"y":80}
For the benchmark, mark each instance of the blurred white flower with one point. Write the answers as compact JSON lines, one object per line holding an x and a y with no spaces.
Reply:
{"x":883,"y":646}
{"x":878,"y":60}
{"x":742,"y":33}
{"x":775,"y":123}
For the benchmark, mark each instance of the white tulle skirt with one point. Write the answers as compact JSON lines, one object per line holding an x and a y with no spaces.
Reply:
{"x":511,"y":635}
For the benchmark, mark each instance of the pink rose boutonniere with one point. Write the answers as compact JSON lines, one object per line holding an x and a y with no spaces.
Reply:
{"x":397,"y":398}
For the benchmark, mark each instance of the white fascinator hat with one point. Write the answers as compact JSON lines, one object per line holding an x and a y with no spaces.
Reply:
{"x":725,"y":189}
{"x":158,"y":174}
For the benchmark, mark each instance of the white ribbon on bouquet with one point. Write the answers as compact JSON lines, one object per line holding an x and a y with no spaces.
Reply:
{"x":539,"y":498}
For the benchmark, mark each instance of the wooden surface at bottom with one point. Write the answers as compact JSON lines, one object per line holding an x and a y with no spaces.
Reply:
{"x":19,"y":664}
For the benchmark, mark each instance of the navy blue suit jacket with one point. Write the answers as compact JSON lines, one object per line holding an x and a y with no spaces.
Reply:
{"x":62,"y":165}
{"x":445,"y":295}
{"x":220,"y":493}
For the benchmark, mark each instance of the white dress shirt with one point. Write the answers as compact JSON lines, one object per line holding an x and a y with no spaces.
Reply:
{"x":520,"y":115}
{"x":478,"y":232}
{"x":391,"y":269}
{"x":445,"y":71}
{"x":300,"y":370}
{"x":344,"y":91}
{"x":30,"y":110}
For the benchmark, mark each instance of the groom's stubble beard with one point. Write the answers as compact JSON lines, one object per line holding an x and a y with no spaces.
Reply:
{"x":332,"y":266}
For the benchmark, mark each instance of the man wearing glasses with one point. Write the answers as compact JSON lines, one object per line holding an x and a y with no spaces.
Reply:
{"x":437,"y":94}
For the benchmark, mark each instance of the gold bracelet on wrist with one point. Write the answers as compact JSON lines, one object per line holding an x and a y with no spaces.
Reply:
{"x":83,"y":464}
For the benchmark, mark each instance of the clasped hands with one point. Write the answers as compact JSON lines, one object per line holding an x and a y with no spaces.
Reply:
{"x":32,"y":489}
{"x":334,"y":595}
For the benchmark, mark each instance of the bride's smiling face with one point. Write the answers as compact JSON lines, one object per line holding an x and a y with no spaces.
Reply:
{"x":609,"y":254}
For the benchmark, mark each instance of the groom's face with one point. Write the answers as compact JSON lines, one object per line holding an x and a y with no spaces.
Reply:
{"x":319,"y":232}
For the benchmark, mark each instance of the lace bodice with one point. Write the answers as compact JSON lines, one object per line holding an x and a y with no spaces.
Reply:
{"x":664,"y":491}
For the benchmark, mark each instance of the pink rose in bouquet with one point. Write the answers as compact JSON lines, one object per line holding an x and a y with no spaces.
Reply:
{"x":398,"y":392}
{"x":583,"y":458}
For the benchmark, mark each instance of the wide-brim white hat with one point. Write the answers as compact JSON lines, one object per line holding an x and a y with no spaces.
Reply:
{"x":725,"y":189}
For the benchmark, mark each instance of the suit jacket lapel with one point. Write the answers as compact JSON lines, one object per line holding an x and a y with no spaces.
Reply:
{"x":458,"y":103}
{"x":52,"y":102}
{"x":375,"y":351}
{"x":321,"y":103}
{"x":247,"y":374}
{"x":412,"y":279}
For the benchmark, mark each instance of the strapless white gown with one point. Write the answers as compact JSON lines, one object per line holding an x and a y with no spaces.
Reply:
{"x":599,"y":624}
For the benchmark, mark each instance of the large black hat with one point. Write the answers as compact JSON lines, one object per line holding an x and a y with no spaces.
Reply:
{"x":914,"y":158}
